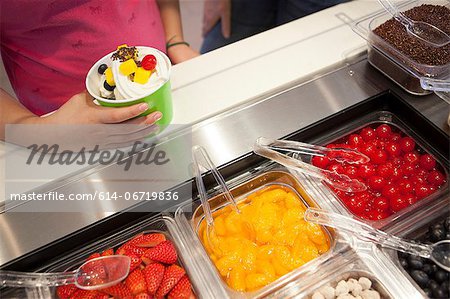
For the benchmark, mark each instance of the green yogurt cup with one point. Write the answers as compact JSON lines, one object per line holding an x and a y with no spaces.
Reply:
{"x":159,"y":100}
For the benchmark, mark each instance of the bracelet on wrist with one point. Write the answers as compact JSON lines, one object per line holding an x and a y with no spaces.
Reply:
{"x":168,"y":44}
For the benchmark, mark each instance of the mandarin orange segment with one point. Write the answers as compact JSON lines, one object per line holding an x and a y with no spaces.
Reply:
{"x":248,"y":231}
{"x":237,"y":279}
{"x":274,"y":196}
{"x":265,"y":267}
{"x":265,"y":252}
{"x":293,"y":215}
{"x":279,"y":269}
{"x":219,"y":226}
{"x":255,"y":281}
{"x":263,"y":236}
{"x":309,"y":253}
{"x":227,"y":263}
{"x":292,"y":201}
{"x":233,"y":223}
{"x":323,"y":248}
{"x":266,"y":240}
{"x":316,"y":234}
{"x":282,"y":256}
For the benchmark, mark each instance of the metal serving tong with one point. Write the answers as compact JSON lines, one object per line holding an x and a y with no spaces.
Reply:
{"x":268,"y":148}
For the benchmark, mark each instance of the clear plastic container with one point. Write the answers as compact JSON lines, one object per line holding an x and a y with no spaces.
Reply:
{"x":320,"y":190}
{"x":159,"y":224}
{"x":417,"y":229}
{"x":414,"y":77}
{"x":349,"y":264}
{"x":190,"y":215}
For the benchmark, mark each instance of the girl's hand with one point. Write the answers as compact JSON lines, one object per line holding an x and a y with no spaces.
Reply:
{"x":80,"y":124}
{"x":213,"y":11}
{"x":80,"y":109}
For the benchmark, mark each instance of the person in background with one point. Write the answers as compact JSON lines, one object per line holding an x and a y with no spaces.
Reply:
{"x":48,"y":46}
{"x":227,"y":21}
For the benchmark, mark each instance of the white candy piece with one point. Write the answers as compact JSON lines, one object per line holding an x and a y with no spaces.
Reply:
{"x":317,"y":295}
{"x":352,"y":280}
{"x":345,"y":296}
{"x":341,"y":288}
{"x":357,"y":289}
{"x":365,"y":283}
{"x":328,"y":292}
{"x":350,"y":286}
{"x":370,"y":294}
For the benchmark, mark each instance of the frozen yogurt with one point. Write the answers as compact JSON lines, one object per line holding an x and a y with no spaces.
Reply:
{"x":132,"y":72}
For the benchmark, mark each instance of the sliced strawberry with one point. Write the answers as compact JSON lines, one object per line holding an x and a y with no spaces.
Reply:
{"x":136,"y":282}
{"x":65,"y":291}
{"x":148,"y":240}
{"x":108,"y":252}
{"x":130,"y":249}
{"x":153,"y":274}
{"x":164,"y":253}
{"x":142,"y":296}
{"x":135,"y":262}
{"x":182,"y":290}
{"x":171,"y":277}
{"x":84,"y":294}
{"x":93,"y":256}
{"x":119,"y":290}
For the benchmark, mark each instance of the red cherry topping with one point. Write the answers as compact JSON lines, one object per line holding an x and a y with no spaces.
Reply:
{"x":366,"y":170}
{"x":351,"y":171}
{"x":407,"y":144}
{"x":393,"y":149}
{"x":427,"y":162}
{"x":381,"y":204}
{"x":355,"y":141}
{"x":321,"y":162}
{"x":368,"y":134}
{"x":397,"y":176}
{"x":383,"y":131}
{"x":423,"y":190}
{"x":436,"y":178}
{"x":376,"y":182}
{"x":385,"y":170}
{"x":149,"y":62}
{"x":412,"y":158}
{"x":399,"y":203}
{"x":357,"y":206}
{"x":390,"y":191}
{"x":379,"y":156}
{"x":406,"y":186}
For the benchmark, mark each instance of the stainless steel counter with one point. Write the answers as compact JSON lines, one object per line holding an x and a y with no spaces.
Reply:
{"x":225,"y":136}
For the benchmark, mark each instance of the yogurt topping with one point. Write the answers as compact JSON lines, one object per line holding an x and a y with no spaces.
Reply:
{"x":127,"y":89}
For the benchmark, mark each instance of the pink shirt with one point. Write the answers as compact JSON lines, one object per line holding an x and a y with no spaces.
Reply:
{"x":48,"y":46}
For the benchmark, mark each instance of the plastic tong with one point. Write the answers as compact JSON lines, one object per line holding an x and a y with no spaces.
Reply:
{"x":202,"y":163}
{"x":268,"y":148}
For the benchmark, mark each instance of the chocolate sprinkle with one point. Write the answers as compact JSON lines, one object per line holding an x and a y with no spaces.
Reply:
{"x":125,"y":53}
{"x":395,"y":33}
